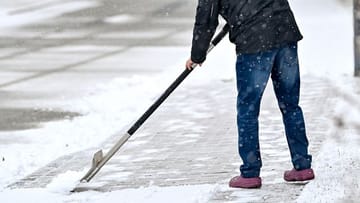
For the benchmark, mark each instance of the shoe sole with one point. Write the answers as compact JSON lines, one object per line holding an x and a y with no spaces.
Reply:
{"x":305,"y":176}
{"x":245,"y":186}
{"x":304,"y":182}
{"x":241,"y":187}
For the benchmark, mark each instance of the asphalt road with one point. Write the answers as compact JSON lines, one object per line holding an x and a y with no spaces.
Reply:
{"x":47,"y":60}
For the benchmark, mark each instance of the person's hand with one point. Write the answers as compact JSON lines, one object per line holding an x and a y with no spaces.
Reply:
{"x":189,"y":64}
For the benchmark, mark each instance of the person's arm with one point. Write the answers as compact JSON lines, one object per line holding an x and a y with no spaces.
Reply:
{"x":206,"y":21}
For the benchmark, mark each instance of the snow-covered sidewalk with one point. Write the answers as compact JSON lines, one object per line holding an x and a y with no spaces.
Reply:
{"x":187,"y":151}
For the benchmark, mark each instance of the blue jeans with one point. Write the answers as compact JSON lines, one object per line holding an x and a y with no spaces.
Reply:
{"x":253,"y":72}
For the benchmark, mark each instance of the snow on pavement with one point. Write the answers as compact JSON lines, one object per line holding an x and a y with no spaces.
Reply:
{"x":322,"y":54}
{"x":338,"y":164}
{"x":10,"y":20}
{"x":153,"y":194}
{"x":104,"y":115}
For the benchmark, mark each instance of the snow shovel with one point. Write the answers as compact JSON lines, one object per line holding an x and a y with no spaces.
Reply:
{"x":99,"y":159}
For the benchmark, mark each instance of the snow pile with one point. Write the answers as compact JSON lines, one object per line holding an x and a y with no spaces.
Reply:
{"x":338,"y":163}
{"x":327,"y":51}
{"x":337,"y":173}
{"x":29,"y":195}
{"x":153,"y":194}
{"x":347,"y":113}
{"x":63,"y":183}
{"x":194,"y":193}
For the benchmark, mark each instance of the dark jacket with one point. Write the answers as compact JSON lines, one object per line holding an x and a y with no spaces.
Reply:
{"x":256,"y":25}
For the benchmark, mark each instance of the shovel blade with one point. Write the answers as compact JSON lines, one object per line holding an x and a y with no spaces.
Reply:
{"x":97,"y":158}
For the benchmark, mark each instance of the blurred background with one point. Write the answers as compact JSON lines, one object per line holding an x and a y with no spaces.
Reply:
{"x":52,"y":51}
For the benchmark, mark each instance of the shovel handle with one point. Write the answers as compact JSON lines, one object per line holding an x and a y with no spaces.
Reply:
{"x":159,"y":101}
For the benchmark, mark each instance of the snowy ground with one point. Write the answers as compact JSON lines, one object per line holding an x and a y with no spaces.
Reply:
{"x":53,"y":9}
{"x":326,"y":51}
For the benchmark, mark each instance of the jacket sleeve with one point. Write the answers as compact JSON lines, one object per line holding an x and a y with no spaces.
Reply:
{"x":206,"y":21}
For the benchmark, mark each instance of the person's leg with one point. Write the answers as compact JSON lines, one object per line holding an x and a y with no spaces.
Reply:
{"x":286,"y":81}
{"x":252,"y":72}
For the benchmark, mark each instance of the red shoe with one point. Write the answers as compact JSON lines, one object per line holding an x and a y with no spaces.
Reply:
{"x":240,"y":182}
{"x":302,"y":175}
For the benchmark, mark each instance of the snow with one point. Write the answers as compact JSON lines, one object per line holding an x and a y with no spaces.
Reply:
{"x":118,"y":19}
{"x":8,"y":20}
{"x":327,"y":47}
{"x":134,"y":35}
{"x":336,"y":177}
{"x":325,"y":51}
{"x":338,"y":169}
{"x":117,"y":104}
{"x":152,"y":194}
